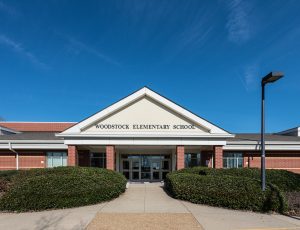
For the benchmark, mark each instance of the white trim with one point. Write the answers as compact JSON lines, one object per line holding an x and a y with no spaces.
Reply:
{"x":145,"y":134}
{"x":256,"y":147}
{"x":136,"y":96}
{"x":32,"y":141}
{"x":148,"y":141}
{"x":33,"y":146}
{"x":37,"y":122}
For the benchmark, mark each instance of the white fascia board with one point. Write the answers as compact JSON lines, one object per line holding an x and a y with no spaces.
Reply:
{"x":33,"y":146}
{"x":266,"y":142}
{"x":133,"y":141}
{"x":256,"y":147}
{"x":145,"y":134}
{"x":135,"y":96}
{"x":32,"y":141}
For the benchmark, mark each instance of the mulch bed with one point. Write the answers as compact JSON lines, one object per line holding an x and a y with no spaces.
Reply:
{"x":145,"y":221}
{"x":293,"y":199}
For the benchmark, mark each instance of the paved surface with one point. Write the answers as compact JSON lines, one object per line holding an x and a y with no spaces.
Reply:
{"x":146,"y":198}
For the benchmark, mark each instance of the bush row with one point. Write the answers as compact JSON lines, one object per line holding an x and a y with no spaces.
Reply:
{"x":285,"y":180}
{"x":61,"y":187}
{"x":225,"y":191}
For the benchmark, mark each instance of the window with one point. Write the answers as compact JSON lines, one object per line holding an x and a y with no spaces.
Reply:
{"x":98,"y":160}
{"x":55,"y":159}
{"x":192,"y":159}
{"x":233,"y":160}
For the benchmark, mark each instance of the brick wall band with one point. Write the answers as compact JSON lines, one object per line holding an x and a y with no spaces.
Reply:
{"x":288,"y":161}
{"x":7,"y":161}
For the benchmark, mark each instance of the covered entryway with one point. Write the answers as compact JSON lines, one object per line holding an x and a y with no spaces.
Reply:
{"x":144,"y":167}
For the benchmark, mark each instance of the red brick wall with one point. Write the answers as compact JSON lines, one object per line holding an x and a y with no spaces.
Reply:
{"x":180,"y":157}
{"x":30,"y":160}
{"x":218,"y":151}
{"x":274,"y":160}
{"x":72,"y":155}
{"x":7,"y":161}
{"x":110,"y":157}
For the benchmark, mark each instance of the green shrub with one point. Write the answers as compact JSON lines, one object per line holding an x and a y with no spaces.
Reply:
{"x":61,"y":187}
{"x":285,"y":180}
{"x":225,"y":191}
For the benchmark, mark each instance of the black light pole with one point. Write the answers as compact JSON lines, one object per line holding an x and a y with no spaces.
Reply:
{"x":269,"y":78}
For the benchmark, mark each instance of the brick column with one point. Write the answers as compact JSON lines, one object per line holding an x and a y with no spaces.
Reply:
{"x":72,"y":155}
{"x":180,"y":157}
{"x":110,"y":157}
{"x":218,"y":150}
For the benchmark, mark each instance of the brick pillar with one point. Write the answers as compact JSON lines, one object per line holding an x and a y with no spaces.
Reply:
{"x":72,"y":155}
{"x":218,"y":150}
{"x":110,"y":157}
{"x":180,"y":157}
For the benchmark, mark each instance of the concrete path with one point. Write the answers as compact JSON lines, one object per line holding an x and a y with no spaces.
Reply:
{"x":146,"y":198}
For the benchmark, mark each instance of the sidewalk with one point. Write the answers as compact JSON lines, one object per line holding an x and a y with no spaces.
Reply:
{"x":146,"y":199}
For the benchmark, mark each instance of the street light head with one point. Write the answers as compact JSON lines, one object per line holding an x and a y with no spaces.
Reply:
{"x":272,"y":77}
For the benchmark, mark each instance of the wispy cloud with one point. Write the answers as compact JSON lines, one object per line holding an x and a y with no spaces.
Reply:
{"x":18,"y":48}
{"x":238,"y":22}
{"x":8,"y":9}
{"x":79,"y":46}
{"x":249,"y":76}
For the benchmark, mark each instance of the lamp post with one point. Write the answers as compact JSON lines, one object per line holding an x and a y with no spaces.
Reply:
{"x":269,"y":78}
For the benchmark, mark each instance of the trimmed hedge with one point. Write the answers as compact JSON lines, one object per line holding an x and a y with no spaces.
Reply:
{"x":285,"y":180}
{"x":62,"y":187}
{"x":225,"y":191}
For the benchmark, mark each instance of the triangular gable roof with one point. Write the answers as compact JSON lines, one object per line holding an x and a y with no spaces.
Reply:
{"x":144,"y":92}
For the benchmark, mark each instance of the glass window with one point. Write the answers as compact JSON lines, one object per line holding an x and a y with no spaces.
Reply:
{"x":55,"y":159}
{"x":98,"y":160}
{"x":192,"y":159}
{"x":233,"y":160}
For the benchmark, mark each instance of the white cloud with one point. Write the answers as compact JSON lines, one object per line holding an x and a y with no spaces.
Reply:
{"x":18,"y":48}
{"x":249,"y":76}
{"x":238,"y":23}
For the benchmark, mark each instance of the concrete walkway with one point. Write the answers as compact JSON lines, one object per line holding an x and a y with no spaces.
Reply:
{"x":147,"y":198}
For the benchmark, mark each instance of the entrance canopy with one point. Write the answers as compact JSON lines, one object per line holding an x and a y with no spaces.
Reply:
{"x":145,"y":118}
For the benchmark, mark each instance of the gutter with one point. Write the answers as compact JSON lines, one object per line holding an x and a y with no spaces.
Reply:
{"x":17,"y":155}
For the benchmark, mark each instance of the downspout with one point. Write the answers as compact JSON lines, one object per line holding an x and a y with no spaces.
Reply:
{"x":17,"y":155}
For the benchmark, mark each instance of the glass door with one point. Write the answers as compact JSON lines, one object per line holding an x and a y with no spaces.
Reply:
{"x":145,"y":167}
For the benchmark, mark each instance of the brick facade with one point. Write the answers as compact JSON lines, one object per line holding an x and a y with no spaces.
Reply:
{"x":179,"y":157}
{"x":72,"y":155}
{"x":218,"y":154}
{"x":274,"y":160}
{"x":110,"y":157}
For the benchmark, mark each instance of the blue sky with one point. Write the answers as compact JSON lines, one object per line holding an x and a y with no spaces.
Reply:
{"x":65,"y":60}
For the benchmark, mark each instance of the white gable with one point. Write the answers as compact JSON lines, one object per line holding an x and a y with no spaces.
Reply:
{"x":145,"y":112}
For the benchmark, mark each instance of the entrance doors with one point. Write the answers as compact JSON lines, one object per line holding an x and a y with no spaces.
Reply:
{"x":145,"y":167}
